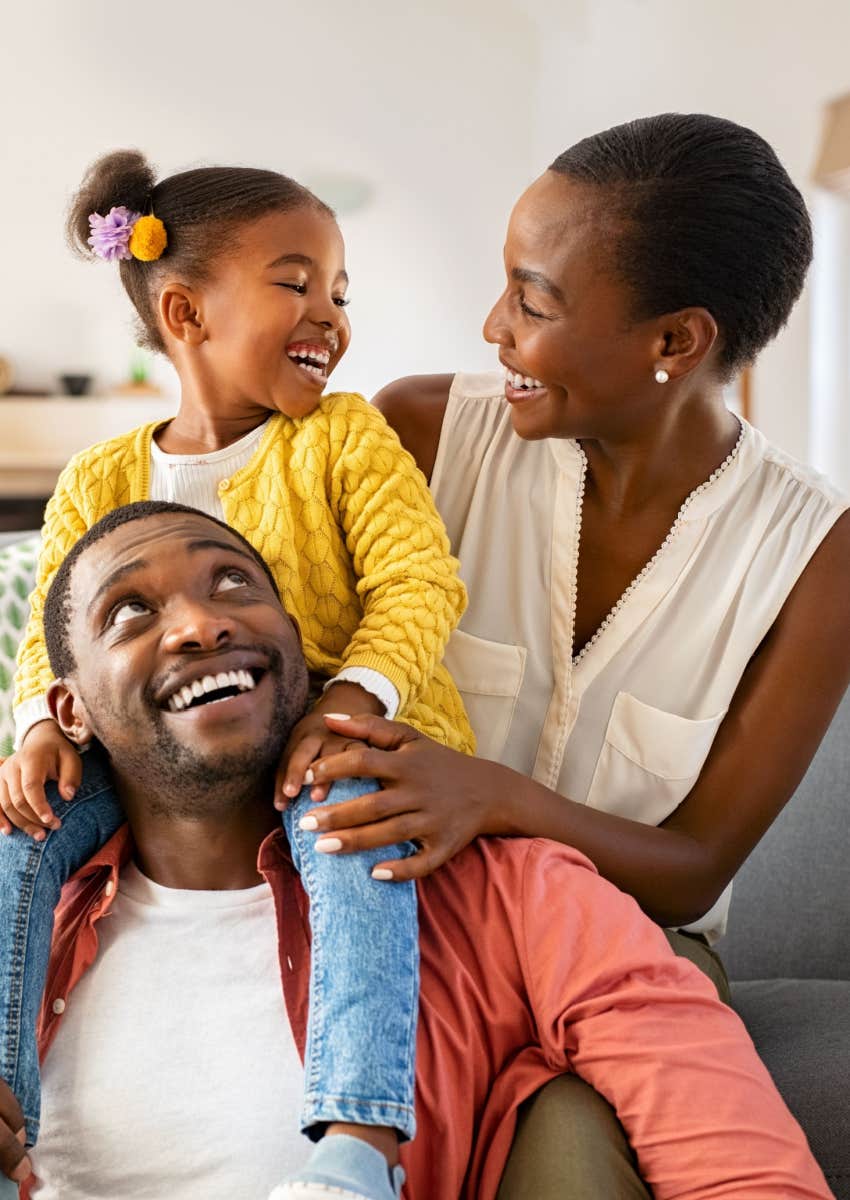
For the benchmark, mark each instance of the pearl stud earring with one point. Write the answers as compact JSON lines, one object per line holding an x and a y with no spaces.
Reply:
{"x":661,"y":376}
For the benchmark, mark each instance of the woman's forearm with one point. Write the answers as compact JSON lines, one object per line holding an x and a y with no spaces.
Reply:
{"x":668,"y":872}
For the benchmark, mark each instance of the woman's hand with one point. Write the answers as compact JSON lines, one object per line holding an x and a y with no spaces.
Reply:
{"x":45,"y":754}
{"x":430,"y":795}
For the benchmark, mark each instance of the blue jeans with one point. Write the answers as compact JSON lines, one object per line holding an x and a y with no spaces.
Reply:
{"x":364,"y":978}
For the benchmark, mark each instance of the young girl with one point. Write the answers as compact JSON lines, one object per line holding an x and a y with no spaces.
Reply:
{"x":238,"y":276}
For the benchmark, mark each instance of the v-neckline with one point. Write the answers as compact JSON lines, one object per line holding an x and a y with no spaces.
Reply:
{"x":648,"y":566}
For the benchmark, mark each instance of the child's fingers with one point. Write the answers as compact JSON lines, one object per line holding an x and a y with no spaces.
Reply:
{"x":70,"y":772}
{"x":19,"y":811}
{"x":35,"y":798}
{"x":6,"y":826}
{"x":299,"y":760}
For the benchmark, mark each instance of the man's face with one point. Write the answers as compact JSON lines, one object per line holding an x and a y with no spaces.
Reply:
{"x":188,"y":669}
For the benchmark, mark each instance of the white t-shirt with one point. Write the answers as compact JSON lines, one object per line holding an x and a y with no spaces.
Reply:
{"x":174,"y":1072}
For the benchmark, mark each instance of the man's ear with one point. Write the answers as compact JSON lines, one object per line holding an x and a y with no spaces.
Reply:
{"x":180,"y":314}
{"x":69,"y":712}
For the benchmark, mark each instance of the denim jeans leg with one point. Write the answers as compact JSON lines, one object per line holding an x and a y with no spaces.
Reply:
{"x":31,"y":879}
{"x":364,"y":980}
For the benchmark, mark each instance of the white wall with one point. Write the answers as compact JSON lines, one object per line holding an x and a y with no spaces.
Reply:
{"x":418,"y":100}
{"x":449,"y":108}
{"x":768,"y":65}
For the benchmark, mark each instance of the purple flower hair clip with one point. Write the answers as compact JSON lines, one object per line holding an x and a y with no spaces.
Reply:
{"x":110,"y":235}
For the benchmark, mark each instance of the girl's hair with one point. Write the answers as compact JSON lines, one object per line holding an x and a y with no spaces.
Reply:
{"x":707,"y":216}
{"x":200,"y":210}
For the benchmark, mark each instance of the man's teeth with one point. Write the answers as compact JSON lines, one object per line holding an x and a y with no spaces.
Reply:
{"x":243,"y":681}
{"x":522,"y":381}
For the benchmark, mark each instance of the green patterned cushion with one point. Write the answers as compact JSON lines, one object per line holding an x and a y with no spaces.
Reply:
{"x":17,"y":579}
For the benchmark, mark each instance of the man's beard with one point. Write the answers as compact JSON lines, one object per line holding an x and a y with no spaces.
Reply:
{"x":185,"y":784}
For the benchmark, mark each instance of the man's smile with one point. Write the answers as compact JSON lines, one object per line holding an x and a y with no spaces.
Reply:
{"x":211,"y":689}
{"x":212,"y":680}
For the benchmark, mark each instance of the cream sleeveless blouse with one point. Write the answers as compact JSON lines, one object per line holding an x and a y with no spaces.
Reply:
{"x":628,"y":726}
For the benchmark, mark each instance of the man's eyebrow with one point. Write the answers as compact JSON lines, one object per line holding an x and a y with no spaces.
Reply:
{"x":228,"y":547}
{"x":303,"y":260}
{"x":521,"y":275}
{"x":140,"y":563}
{"x":116,"y":576}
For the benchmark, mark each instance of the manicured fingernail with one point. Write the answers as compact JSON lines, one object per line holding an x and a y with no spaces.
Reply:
{"x":328,"y":845}
{"x":339,"y":716}
{"x":308,"y":823}
{"x":308,"y":775}
{"x":290,"y":789}
{"x":46,"y":818}
{"x":382,"y":873}
{"x":69,"y":792}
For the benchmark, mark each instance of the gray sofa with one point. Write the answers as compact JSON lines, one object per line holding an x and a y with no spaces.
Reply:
{"x":788,"y":952}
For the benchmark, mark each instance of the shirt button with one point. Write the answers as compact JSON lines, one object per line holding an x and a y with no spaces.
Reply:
{"x":110,"y":888}
{"x":58,"y":1007}
{"x":224,"y":485}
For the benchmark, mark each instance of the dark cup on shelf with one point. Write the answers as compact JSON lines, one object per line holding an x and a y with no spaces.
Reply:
{"x":75,"y":385}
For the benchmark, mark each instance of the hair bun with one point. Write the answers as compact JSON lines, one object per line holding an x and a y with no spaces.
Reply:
{"x":124,"y":177}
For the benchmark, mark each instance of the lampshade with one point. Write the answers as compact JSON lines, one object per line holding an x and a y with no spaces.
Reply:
{"x":832,"y":168}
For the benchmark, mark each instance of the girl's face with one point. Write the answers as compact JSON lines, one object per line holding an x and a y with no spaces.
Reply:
{"x":274,"y":313}
{"x":577,"y":365}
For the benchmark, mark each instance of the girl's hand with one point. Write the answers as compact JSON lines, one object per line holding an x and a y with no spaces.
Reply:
{"x":312,"y":738}
{"x":430,"y":795}
{"x":14,"y":1161}
{"x":45,"y":754}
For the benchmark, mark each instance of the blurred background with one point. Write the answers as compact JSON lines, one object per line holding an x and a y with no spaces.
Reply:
{"x":421,"y":125}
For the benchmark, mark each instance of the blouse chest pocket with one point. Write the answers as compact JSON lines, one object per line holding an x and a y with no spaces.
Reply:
{"x":650,"y":760}
{"x":488,"y":676}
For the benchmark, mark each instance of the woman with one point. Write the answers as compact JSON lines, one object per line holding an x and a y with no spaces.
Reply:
{"x":658,"y":631}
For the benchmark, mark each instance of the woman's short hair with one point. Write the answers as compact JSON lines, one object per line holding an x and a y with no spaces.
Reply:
{"x":707,"y":217}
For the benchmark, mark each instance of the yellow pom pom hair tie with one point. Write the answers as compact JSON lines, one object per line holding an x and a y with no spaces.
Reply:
{"x":123,"y":234}
{"x":148,"y":239}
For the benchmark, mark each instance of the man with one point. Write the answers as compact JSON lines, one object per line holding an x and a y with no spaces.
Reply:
{"x":170,"y":1065}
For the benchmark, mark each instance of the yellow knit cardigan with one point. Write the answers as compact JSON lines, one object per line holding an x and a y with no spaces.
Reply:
{"x":344,"y":518}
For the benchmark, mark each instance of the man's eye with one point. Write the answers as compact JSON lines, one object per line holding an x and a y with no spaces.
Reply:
{"x":231,"y":580}
{"x":128,"y":611}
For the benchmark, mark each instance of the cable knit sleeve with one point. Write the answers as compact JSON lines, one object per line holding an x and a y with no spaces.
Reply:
{"x":407,"y":580}
{"x":64,"y":524}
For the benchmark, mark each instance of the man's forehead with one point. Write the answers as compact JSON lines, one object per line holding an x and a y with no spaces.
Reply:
{"x":154,"y":540}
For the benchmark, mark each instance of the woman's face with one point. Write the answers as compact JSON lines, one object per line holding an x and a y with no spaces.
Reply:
{"x":563,"y":321}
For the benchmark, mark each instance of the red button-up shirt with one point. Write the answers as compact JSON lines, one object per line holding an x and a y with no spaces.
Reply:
{"x":531,"y":966}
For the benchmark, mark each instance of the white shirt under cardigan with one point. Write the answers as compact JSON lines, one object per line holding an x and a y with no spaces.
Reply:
{"x":193,"y":479}
{"x":174,"y":1074}
{"x":627,"y":727}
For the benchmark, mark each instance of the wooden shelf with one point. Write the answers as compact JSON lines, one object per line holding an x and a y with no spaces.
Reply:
{"x":39,"y":434}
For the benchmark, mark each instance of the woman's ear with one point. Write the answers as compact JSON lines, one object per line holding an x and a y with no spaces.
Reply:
{"x":69,"y":712}
{"x":180,"y":314}
{"x":686,"y":338}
